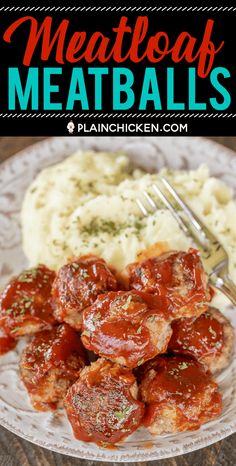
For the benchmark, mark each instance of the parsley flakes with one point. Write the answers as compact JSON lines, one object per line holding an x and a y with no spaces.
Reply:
{"x":182,"y":365}
{"x":120,"y":415}
{"x":212,"y":331}
{"x":127,"y":303}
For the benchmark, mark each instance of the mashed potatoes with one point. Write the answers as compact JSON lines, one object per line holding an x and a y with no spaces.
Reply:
{"x":87,"y":204}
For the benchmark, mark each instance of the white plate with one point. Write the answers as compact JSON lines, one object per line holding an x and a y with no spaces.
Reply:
{"x":52,"y":430}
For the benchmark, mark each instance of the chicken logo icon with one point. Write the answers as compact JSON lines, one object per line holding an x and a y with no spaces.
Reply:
{"x":71,"y":127}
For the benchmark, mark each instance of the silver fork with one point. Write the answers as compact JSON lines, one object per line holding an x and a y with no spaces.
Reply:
{"x":214,"y":256}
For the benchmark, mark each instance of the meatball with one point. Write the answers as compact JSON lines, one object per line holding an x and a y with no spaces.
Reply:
{"x":26,"y":304}
{"x":179,"y":276}
{"x":209,"y":338}
{"x":7,"y":343}
{"x":127,"y":327}
{"x":77,"y":286}
{"x":102,"y":406}
{"x":179,"y":394}
{"x":50,"y":364}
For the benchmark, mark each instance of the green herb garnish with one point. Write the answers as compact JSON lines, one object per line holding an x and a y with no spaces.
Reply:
{"x":212,"y":331}
{"x":126,"y":305}
{"x":182,"y":365}
{"x":120,"y":415}
{"x":139,"y":363}
{"x":97,"y":317}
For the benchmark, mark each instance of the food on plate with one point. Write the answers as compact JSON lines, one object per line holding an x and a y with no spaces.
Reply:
{"x":136,"y":289}
{"x":209,"y":338}
{"x":50,"y":363}
{"x":26,"y":303}
{"x":176,"y":275}
{"x":7,"y":343}
{"x":77,"y":285}
{"x":127,"y":327}
{"x":88,"y":201}
{"x":131,"y":329}
{"x":179,"y":394}
{"x":103,"y":406}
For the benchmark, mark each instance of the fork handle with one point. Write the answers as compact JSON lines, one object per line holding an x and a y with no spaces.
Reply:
{"x":226,"y":286}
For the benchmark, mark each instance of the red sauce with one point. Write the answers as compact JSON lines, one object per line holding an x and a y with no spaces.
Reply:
{"x":100,"y":405}
{"x":26,"y":303}
{"x":77,"y":286}
{"x":50,"y":364}
{"x":115,"y":326}
{"x":197,"y":337}
{"x":7,"y":343}
{"x":179,"y":276}
{"x":52,"y":349}
{"x":181,"y":382}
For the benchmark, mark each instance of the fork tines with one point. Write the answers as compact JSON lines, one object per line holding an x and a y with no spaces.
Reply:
{"x":213,"y":253}
{"x":186,"y":218}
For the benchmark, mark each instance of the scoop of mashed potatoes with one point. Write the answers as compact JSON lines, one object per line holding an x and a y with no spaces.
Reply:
{"x":87,"y":204}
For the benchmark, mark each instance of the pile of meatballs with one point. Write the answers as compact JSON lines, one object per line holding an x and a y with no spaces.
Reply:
{"x":119,"y":350}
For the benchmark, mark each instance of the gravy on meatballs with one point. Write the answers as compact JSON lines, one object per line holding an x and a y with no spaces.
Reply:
{"x":50,"y":364}
{"x":177,"y":275}
{"x":209,"y":338}
{"x":26,"y":303}
{"x":179,"y":394}
{"x":102,"y":405}
{"x":127,"y":327}
{"x":77,"y":285}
